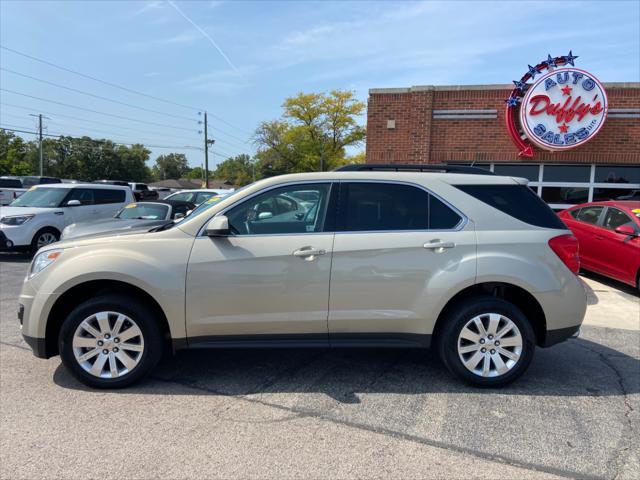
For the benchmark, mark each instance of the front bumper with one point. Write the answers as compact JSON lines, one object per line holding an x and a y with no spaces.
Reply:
{"x":18,"y":236}
{"x":5,"y":243}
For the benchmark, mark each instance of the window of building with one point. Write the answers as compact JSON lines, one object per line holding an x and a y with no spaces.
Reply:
{"x":530,"y":172}
{"x":565,"y":195}
{"x":566,"y":173}
{"x":617,"y":174}
{"x":603,"y":194}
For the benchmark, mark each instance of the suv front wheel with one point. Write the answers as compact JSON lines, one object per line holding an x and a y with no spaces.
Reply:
{"x":486,"y":341}
{"x":110,"y":341}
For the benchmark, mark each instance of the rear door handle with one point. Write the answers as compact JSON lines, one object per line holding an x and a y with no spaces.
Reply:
{"x":308,"y":253}
{"x":438,"y":245}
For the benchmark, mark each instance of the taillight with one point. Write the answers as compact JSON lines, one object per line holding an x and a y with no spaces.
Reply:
{"x":566,"y":248}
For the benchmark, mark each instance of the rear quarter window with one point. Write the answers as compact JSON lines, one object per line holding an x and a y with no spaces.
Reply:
{"x":109,"y":195}
{"x":517,"y":201}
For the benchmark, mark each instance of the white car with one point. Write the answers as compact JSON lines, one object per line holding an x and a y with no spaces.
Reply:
{"x":197,"y":196}
{"x":38,"y":216}
{"x":10,"y":189}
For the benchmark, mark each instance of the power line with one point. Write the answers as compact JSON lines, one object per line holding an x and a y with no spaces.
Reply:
{"x":96,"y":111}
{"x":59,"y":134}
{"x":97,"y":96}
{"x":118,"y":86}
{"x":120,"y":127}
{"x":51,"y":64}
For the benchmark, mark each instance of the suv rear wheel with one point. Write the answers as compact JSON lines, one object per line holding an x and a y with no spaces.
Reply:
{"x":486,"y":341}
{"x":110,"y":342}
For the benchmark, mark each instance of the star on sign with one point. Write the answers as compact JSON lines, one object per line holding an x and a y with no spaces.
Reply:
{"x":533,"y":71}
{"x":564,"y":128}
{"x":520,"y":85}
{"x":551,"y":62}
{"x":566,"y":90}
{"x":570,"y":58}
{"x":512,"y":101}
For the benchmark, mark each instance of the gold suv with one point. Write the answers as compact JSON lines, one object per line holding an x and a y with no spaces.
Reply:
{"x":474,"y":264}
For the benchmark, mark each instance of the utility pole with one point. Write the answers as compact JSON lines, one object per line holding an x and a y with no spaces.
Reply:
{"x":207,"y":141}
{"x":206,"y":154}
{"x":40,"y":117}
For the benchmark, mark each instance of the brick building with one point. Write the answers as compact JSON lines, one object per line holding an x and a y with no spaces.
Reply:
{"x":465,"y":124}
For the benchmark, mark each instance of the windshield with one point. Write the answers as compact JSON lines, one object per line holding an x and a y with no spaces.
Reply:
{"x":144,"y":211}
{"x":41,"y":197}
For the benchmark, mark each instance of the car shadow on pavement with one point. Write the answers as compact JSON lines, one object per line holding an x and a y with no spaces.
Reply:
{"x":17,"y":257}
{"x":578,"y":367}
{"x":610,"y":282}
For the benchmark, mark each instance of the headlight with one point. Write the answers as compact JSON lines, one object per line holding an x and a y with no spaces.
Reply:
{"x":16,"y":219}
{"x":43,"y":260}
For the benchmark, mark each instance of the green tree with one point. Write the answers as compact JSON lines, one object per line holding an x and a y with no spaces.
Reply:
{"x":313,"y":134}
{"x":239,"y":170}
{"x":14,"y":154}
{"x":172,"y":165}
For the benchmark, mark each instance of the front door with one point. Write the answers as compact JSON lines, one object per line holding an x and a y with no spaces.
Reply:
{"x":268,"y":281}
{"x":618,"y":251}
{"x":397,"y":248}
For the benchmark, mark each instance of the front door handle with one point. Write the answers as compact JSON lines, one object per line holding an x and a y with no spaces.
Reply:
{"x":438,"y":246}
{"x":308,"y":253}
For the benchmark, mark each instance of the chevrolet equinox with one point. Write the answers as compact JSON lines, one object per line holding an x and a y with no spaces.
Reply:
{"x":476,"y":265}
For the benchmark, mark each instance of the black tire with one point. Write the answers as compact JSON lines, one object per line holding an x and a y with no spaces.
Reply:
{"x":43,"y":231}
{"x":447,"y":339}
{"x":136,"y":311}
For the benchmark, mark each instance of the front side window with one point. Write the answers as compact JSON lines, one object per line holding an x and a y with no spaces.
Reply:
{"x":616,"y":218}
{"x":281,"y":211}
{"x":389,"y":207}
{"x":183,"y":197}
{"x":590,"y":214}
{"x":41,"y":197}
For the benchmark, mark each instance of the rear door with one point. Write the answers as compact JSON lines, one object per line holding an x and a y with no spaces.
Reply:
{"x":108,"y":201}
{"x":397,"y":247}
{"x":587,"y":230}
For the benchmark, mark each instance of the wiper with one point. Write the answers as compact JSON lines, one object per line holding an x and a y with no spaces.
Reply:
{"x":162,"y":227}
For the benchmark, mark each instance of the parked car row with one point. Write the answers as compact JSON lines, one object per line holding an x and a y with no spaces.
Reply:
{"x":47,"y":212}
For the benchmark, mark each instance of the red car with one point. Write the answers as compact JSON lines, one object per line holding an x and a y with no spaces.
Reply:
{"x":609,"y":238}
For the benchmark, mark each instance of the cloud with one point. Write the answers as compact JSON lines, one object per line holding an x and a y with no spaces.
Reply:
{"x":220,"y":81}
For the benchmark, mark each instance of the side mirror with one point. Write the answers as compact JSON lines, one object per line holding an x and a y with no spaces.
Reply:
{"x":626,"y":230}
{"x":73,"y":203}
{"x":218,"y":227}
{"x":265,"y":215}
{"x":178,"y":216}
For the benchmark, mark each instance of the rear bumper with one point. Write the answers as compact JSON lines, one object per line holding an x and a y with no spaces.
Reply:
{"x":554,"y":337}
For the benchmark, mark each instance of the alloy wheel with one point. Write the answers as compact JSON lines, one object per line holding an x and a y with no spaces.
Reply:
{"x":45,"y":239}
{"x":108,"y":344}
{"x":490,"y":345}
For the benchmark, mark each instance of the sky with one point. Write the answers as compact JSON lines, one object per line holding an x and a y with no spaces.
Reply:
{"x":149,"y":68}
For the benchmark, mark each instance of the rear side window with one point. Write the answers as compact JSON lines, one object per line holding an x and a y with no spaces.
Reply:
{"x":388,"y":207}
{"x":84,"y":195}
{"x":590,"y":214}
{"x":108,"y":195}
{"x":10,"y":183}
{"x":517,"y":201}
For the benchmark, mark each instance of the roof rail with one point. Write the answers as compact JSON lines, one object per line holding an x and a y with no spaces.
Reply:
{"x":399,"y":167}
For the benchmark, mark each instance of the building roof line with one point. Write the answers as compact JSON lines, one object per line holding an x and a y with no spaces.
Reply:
{"x":505,"y":86}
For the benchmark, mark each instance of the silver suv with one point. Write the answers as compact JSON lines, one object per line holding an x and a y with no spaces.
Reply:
{"x":474,"y":264}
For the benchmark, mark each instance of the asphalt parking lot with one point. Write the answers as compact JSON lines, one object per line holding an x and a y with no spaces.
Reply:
{"x":339,"y":414}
